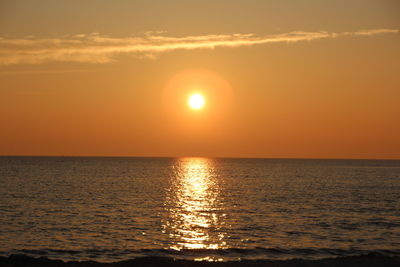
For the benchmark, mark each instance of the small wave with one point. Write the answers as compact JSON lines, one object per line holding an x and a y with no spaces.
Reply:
{"x":229,"y":254}
{"x":371,"y":259}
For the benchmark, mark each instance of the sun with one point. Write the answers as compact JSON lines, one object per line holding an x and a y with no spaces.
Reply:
{"x":196,"y":101}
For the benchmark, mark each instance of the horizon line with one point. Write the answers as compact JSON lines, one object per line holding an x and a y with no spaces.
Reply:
{"x":211,"y":157}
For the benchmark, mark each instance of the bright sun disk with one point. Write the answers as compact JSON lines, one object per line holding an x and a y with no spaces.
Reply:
{"x":196,"y":101}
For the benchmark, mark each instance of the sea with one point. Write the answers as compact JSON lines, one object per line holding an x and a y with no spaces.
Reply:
{"x":215,"y":209}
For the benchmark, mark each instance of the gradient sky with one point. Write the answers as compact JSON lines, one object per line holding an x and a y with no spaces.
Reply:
{"x":306,"y":79}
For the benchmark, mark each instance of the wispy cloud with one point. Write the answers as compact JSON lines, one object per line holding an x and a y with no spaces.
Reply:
{"x":60,"y":71}
{"x":95,"y":48}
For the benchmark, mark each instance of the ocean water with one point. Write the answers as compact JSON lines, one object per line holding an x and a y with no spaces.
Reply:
{"x":112,"y":209}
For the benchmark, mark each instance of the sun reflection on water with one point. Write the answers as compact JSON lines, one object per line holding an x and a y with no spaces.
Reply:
{"x":194,"y":206}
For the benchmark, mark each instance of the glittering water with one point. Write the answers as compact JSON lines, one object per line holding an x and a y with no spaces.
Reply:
{"x":109,"y":209}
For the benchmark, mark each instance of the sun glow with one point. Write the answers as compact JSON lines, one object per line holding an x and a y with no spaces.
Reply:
{"x":196,"y":101}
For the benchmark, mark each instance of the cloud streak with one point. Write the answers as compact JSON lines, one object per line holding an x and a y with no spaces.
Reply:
{"x":95,"y":48}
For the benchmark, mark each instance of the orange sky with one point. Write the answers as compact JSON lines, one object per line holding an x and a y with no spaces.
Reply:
{"x":298,"y":79}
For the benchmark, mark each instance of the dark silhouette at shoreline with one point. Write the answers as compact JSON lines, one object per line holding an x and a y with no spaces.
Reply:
{"x":372,"y":259}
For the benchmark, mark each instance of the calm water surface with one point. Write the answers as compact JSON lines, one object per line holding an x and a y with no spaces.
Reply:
{"x":109,"y":209}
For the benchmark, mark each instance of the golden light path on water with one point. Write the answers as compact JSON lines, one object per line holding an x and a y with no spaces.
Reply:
{"x":195,"y":208}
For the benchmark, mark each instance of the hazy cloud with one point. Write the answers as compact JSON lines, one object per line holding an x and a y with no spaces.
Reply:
{"x":95,"y":48}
